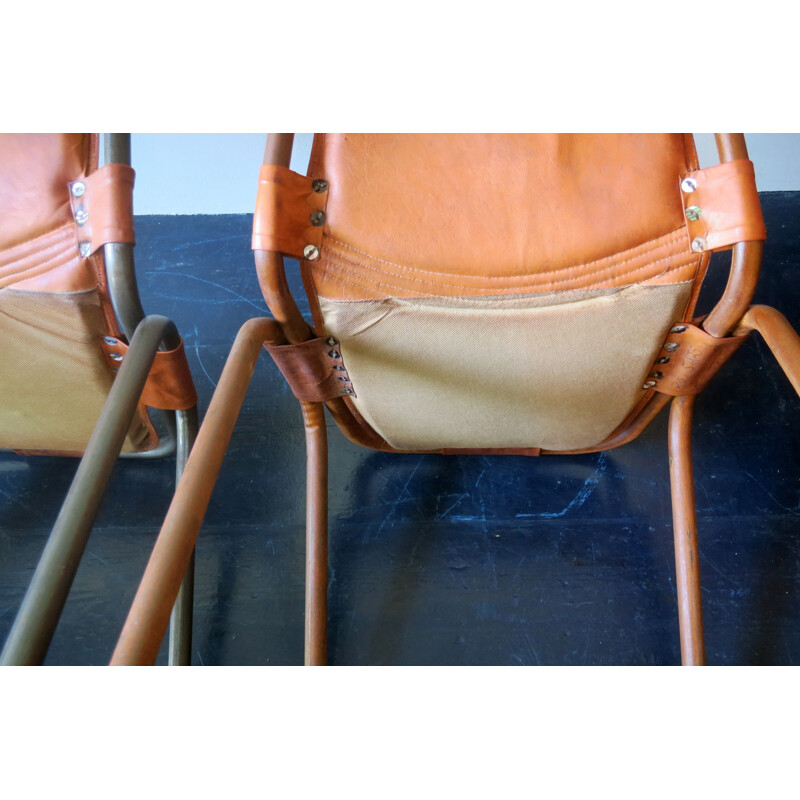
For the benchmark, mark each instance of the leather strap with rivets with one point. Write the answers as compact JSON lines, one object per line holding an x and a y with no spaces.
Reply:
{"x":290,"y":213}
{"x":102,"y":208}
{"x":314,"y":369}
{"x":689,"y":358}
{"x":721,"y":206}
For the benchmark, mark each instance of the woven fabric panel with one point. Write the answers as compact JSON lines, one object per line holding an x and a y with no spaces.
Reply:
{"x":503,"y":372}
{"x":54,"y":375}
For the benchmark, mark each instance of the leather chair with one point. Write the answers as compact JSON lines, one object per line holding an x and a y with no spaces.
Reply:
{"x":526,"y":294}
{"x":80,"y":365}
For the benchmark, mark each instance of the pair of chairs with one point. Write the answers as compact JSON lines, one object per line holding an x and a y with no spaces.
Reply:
{"x":520,"y":294}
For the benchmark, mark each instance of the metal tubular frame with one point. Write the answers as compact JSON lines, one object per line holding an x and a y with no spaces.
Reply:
{"x":146,"y":621}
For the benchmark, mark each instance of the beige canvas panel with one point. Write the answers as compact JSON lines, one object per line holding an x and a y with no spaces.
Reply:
{"x":54,"y":376}
{"x":503,"y":372}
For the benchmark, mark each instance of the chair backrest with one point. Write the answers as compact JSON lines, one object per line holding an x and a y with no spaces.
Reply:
{"x":504,"y":292}
{"x":56,"y":367}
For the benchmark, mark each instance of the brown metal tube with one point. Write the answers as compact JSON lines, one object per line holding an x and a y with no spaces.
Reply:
{"x":684,"y":515}
{"x":148,"y":618}
{"x":780,"y":336}
{"x":316,"y":534}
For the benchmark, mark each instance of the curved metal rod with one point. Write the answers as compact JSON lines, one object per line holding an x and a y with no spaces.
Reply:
{"x":44,"y":600}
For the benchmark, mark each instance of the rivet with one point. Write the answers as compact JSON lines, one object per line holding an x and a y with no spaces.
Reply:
{"x":311,"y":252}
{"x":115,"y":370}
{"x":678,"y":328}
{"x":648,"y":384}
{"x":81,"y":215}
{"x":334,"y":354}
{"x":85,"y":249}
{"x":339,"y":368}
{"x":331,"y":341}
{"x":347,"y":391}
{"x":662,"y":360}
{"x":319,"y":185}
{"x":693,"y":213}
{"x":344,"y":378}
{"x":317,"y":218}
{"x":698,"y":244}
{"x":671,"y":347}
{"x":657,"y":374}
{"x":109,"y":340}
{"x":688,"y":185}
{"x":78,"y":188}
{"x":116,"y":356}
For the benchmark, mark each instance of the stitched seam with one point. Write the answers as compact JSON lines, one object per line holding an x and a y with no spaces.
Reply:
{"x":670,"y":237}
{"x":65,"y":227}
{"x":43,"y":266}
{"x":64,"y":245}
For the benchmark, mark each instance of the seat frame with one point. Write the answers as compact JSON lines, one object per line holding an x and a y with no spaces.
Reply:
{"x":148,"y":617}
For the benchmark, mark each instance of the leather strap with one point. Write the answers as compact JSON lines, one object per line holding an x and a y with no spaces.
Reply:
{"x":314,"y":369}
{"x":289,"y":214}
{"x":689,"y":358}
{"x":169,"y":384}
{"x":102,"y":208}
{"x":723,"y":208}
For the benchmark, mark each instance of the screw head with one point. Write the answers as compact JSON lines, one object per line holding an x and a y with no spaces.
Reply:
{"x":648,"y":384}
{"x":115,"y":370}
{"x":319,"y":185}
{"x":657,"y":374}
{"x":671,"y":347}
{"x":311,"y":252}
{"x":317,"y":218}
{"x":698,"y":244}
{"x":109,"y":340}
{"x":78,"y":189}
{"x":688,"y":185}
{"x":678,"y":328}
{"x":85,"y":249}
{"x":347,"y":391}
{"x":81,"y":215}
{"x":116,"y":356}
{"x":331,"y":341}
{"x":338,"y":367}
{"x":693,"y":213}
{"x":334,"y":354}
{"x":662,"y":359}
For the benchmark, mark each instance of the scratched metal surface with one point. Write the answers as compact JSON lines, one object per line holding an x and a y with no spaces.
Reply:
{"x":439,"y":560}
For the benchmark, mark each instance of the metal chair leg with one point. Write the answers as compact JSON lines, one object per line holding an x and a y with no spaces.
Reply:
{"x":687,"y":561}
{"x":780,"y":336}
{"x":316,"y":623}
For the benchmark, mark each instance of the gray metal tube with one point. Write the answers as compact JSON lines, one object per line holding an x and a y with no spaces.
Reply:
{"x":41,"y":607}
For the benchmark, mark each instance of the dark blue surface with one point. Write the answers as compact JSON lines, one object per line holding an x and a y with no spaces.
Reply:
{"x":434,"y":559}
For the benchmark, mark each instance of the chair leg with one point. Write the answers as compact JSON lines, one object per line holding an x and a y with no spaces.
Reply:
{"x":687,"y":561}
{"x":780,"y":336}
{"x":316,"y":621}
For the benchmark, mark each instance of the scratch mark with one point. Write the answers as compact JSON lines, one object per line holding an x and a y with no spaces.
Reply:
{"x":403,"y":496}
{"x":771,"y":497}
{"x":584,"y":493}
{"x":94,"y":555}
{"x":200,"y":360}
{"x":238,"y":296}
{"x":200,"y":659}
{"x":483,"y":472}
{"x":445,"y":513}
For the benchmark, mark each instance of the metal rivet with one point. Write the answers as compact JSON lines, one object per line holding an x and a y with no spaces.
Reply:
{"x":110,"y":340}
{"x":662,"y":360}
{"x":311,"y":252}
{"x":115,"y":370}
{"x":116,"y":356}
{"x":319,"y":185}
{"x":657,"y":374}
{"x":344,"y":378}
{"x":85,"y":249}
{"x":338,"y":367}
{"x":334,"y":354}
{"x":331,"y":341}
{"x":81,"y":215}
{"x":688,"y":185}
{"x":648,"y":384}
{"x":78,"y":188}
{"x":693,"y":213}
{"x":671,"y":347}
{"x":347,"y":391}
{"x":317,"y":218}
{"x":678,"y":328}
{"x":698,"y":244}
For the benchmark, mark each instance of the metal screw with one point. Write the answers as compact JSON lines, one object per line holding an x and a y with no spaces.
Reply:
{"x":344,"y":378}
{"x":331,"y":341}
{"x":115,"y":370}
{"x":319,"y":185}
{"x":78,"y":188}
{"x":678,"y":328}
{"x":671,"y":347}
{"x":338,"y":367}
{"x":657,"y":374}
{"x":311,"y":252}
{"x":698,"y":244}
{"x":662,"y":360}
{"x":109,"y":340}
{"x":334,"y":354}
{"x":116,"y":356}
{"x":688,"y":185}
{"x":693,"y":213}
{"x":648,"y":384}
{"x":317,"y":218}
{"x":85,"y":249}
{"x":81,"y":215}
{"x":347,"y":391}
